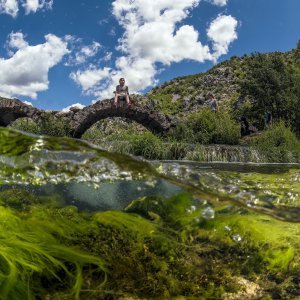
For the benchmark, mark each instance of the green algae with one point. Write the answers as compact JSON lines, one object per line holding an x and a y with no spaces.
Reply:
{"x":157,"y":248}
{"x":251,"y":246}
{"x":34,"y":259}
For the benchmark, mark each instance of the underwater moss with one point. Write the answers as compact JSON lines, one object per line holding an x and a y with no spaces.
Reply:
{"x":18,"y":198}
{"x":158,"y":248}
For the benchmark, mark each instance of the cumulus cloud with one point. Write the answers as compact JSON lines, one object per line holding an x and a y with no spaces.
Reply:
{"x":78,"y":105}
{"x":219,"y":2}
{"x":11,"y":7}
{"x":35,"y":5}
{"x":222,"y":32}
{"x":86,"y":52}
{"x":28,"y":103}
{"x":107,"y":56}
{"x":80,"y":53}
{"x":26,"y":72}
{"x":16,"y":40}
{"x":90,"y":80}
{"x":153,"y":33}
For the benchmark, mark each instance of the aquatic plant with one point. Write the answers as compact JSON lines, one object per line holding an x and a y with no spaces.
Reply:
{"x":234,"y":245}
{"x":200,"y":246}
{"x":35,"y":260}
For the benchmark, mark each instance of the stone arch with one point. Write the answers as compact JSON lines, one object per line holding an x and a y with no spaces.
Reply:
{"x":12,"y":109}
{"x":83,"y":119}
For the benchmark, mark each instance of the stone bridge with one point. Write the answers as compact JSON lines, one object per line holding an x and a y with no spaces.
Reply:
{"x":82,"y":119}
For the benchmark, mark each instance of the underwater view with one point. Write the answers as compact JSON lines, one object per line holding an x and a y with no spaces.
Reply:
{"x":78,"y":222}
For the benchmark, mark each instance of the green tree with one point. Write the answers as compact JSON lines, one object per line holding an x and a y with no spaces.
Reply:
{"x":268,"y":82}
{"x":294,"y":102}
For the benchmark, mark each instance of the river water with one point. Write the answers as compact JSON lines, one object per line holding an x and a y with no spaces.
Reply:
{"x":249,"y":212}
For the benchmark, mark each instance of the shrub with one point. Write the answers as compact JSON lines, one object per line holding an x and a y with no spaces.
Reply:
{"x":55,"y":126}
{"x":27,"y":125}
{"x":213,"y":128}
{"x":173,"y":150}
{"x":278,"y":144}
{"x":151,"y":147}
{"x":226,"y":131}
{"x":203,"y":125}
{"x":166,"y":105}
{"x":182,"y":132}
{"x":147,"y":145}
{"x":49,"y":125}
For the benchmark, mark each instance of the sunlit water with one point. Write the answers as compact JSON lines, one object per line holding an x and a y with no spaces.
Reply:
{"x":82,"y":175}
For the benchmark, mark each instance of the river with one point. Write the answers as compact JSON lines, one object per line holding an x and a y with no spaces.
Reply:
{"x":79,"y":222}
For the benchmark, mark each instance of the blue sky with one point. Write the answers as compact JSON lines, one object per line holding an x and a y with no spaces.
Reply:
{"x":56,"y":53}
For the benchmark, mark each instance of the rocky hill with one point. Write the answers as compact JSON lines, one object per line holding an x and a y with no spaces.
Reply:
{"x":189,"y":93}
{"x":183,"y":95}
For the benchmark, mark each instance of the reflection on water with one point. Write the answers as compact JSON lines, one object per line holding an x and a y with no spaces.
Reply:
{"x":104,"y":196}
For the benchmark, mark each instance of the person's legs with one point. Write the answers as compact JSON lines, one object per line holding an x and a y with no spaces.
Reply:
{"x":128,"y":101}
{"x":116,"y":100}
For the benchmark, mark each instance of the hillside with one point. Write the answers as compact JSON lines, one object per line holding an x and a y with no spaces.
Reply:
{"x":189,"y":93}
{"x":244,"y":86}
{"x":228,"y":81}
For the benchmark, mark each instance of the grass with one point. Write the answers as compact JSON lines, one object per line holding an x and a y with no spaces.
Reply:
{"x":279,"y":144}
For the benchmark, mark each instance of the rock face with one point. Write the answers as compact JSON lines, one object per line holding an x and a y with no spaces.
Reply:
{"x":83,"y":119}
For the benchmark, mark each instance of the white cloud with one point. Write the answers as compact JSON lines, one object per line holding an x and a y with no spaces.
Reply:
{"x":219,"y":2}
{"x":28,"y":103}
{"x":80,"y":53}
{"x":153,"y":33}
{"x":35,"y":5}
{"x":16,"y":40}
{"x":78,"y":105}
{"x":222,"y":32}
{"x":26,"y":72}
{"x":90,"y":79}
{"x":112,"y":32}
{"x":107,"y":56}
{"x":9,"y":7}
{"x":87,"y":52}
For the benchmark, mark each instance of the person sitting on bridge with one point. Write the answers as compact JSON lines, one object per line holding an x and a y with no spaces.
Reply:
{"x":122,"y":93}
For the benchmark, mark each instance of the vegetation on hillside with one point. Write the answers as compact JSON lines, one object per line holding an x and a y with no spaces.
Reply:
{"x":279,"y":144}
{"x":246,"y":86}
{"x":50,"y":125}
{"x":271,"y":83}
